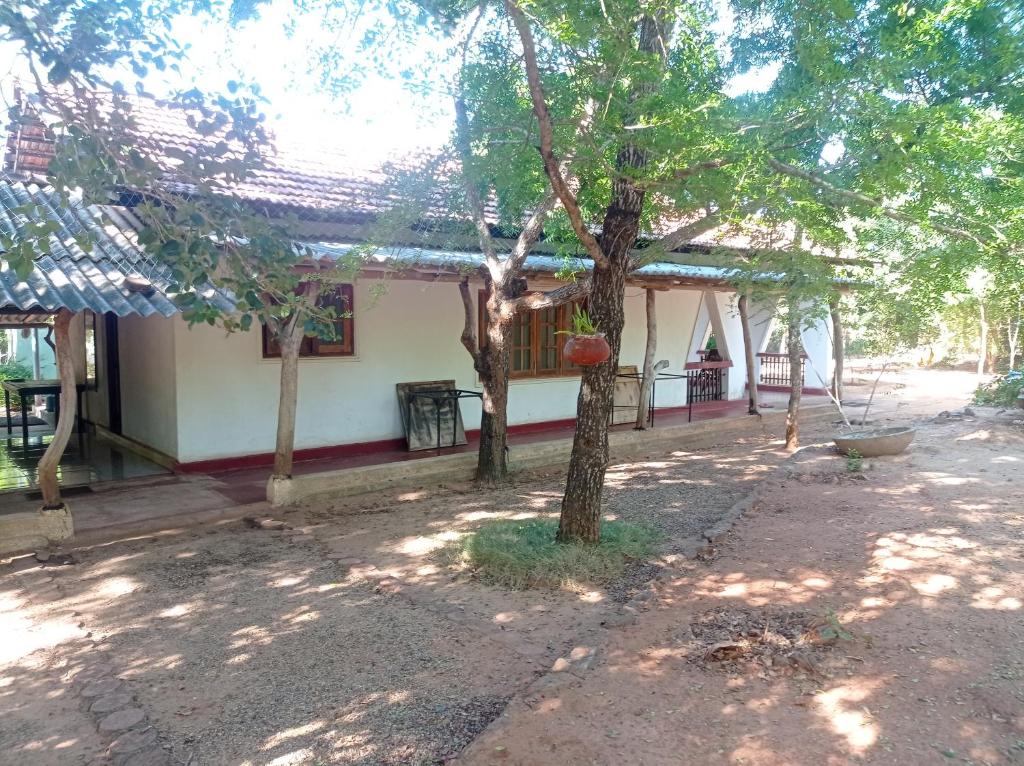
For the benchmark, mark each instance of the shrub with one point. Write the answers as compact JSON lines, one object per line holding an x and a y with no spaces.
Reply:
{"x":15,"y":371}
{"x":524,"y":554}
{"x":1002,"y":391}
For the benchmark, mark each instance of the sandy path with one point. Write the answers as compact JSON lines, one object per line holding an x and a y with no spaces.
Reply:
{"x":922,"y":560}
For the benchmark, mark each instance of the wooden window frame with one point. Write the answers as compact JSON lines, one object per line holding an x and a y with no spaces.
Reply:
{"x":313,"y":347}
{"x":562,"y":369}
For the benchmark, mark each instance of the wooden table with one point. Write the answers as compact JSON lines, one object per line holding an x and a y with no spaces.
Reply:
{"x":29,"y":388}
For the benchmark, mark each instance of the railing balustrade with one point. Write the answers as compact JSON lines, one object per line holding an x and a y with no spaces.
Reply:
{"x":775,"y":370}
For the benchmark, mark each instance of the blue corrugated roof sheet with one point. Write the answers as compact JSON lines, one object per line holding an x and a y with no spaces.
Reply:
{"x":70,"y":277}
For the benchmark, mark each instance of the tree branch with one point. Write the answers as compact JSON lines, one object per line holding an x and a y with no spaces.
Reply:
{"x":468,"y":338}
{"x":699,"y":167}
{"x":535,"y":224}
{"x":544,"y":300}
{"x":547,"y":152}
{"x":877,"y":204}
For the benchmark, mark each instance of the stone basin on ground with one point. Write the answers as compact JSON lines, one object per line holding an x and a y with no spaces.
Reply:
{"x":876,"y":442}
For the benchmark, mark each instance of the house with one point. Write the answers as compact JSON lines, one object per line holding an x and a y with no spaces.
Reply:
{"x":199,"y":399}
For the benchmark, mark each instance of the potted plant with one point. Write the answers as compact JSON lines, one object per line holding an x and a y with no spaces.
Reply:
{"x":586,"y":346}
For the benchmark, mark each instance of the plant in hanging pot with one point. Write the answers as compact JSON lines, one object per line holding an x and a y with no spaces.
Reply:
{"x":586,"y":346}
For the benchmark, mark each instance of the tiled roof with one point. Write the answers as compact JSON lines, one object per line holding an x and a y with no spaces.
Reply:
{"x":70,"y":277}
{"x":310,"y":182}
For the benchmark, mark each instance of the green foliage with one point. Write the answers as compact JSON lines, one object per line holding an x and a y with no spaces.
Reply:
{"x":1002,"y":391}
{"x":854,"y":461}
{"x":15,"y":371}
{"x":794,"y":278}
{"x":581,"y":323}
{"x":524,"y":554}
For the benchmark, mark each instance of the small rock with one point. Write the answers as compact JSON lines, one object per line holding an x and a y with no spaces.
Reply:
{"x":152,"y":756}
{"x":94,"y":672}
{"x":264,"y":523}
{"x":131,"y":741}
{"x":969,"y":412}
{"x":621,"y":619}
{"x":101,"y":687}
{"x":42,"y":556}
{"x":59,"y":560}
{"x":561,"y":665}
{"x":122,"y":719}
{"x":110,"y":702}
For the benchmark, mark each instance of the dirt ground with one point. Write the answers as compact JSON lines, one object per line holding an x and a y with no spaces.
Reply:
{"x":342,"y":640}
{"x":917,"y":563}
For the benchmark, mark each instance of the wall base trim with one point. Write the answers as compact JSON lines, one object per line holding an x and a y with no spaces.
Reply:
{"x":812,"y":391}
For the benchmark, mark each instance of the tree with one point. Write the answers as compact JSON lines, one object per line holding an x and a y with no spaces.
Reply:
{"x":748,"y":353}
{"x":195,"y":223}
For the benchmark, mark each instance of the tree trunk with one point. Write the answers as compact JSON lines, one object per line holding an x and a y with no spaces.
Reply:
{"x":1012,"y":336}
{"x":748,"y":351}
{"x":642,"y":408}
{"x":796,"y":380}
{"x":580,"y":520}
{"x":983,"y":341}
{"x":838,"y":348}
{"x":47,"y":469}
{"x":493,"y":367}
{"x":581,"y":506}
{"x":289,"y":338}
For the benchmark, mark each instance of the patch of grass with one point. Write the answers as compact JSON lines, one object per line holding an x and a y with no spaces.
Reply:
{"x":524,"y":554}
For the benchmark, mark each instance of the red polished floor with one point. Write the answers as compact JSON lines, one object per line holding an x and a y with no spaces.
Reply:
{"x":248,"y":485}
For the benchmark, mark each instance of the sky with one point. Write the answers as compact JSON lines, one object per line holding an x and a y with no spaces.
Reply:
{"x":380,"y":118}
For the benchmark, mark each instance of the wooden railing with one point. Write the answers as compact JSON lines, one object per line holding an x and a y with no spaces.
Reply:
{"x":775,"y":369}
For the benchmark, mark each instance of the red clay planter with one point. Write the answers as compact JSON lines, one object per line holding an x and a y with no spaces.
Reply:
{"x":586,"y":350}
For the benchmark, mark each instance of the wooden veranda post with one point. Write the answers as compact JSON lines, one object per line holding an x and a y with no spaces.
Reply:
{"x":649,"y":351}
{"x":748,"y":351}
{"x":47,"y":469}
{"x":838,"y":348}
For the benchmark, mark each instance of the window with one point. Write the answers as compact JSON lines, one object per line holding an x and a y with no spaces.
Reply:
{"x":340,"y":299}
{"x":536,"y":347}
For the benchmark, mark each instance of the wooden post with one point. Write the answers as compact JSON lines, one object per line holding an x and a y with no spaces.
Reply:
{"x":838,"y":348}
{"x":748,"y":350}
{"x":47,"y":469}
{"x":796,"y":379}
{"x":648,"y":379}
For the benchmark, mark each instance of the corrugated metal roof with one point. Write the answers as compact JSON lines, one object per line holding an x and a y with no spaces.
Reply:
{"x":70,"y":277}
{"x":454,"y":261}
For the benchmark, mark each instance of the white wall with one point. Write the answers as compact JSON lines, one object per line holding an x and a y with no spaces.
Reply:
{"x":817,"y":342}
{"x":227,"y":393}
{"x":201,"y":394}
{"x":149,"y":398}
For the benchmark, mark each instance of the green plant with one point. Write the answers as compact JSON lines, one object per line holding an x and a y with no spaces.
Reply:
{"x":834,"y":629}
{"x":524,"y":554}
{"x":1002,"y":391}
{"x":854,"y":461}
{"x":581,"y":323}
{"x":15,"y":371}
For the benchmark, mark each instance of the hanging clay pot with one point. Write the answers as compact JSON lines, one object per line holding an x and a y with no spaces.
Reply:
{"x":587,"y":350}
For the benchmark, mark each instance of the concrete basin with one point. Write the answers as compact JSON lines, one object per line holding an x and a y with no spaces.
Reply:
{"x":876,"y":441}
